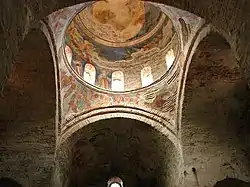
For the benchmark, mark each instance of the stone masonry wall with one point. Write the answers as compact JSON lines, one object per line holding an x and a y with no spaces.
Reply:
{"x":215,"y":122}
{"x":27,"y":115}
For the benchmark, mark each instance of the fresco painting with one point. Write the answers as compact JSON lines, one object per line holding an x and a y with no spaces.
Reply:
{"x":79,"y":98}
{"x":165,"y":99}
{"x":59,"y":19}
{"x":83,"y":50}
{"x":145,"y":28}
{"x":164,"y":103}
{"x":77,"y":37}
{"x":185,"y":22}
{"x":78,"y":67}
{"x":87,"y":50}
{"x":104,"y":80}
{"x":119,"y":21}
{"x":84,"y":46}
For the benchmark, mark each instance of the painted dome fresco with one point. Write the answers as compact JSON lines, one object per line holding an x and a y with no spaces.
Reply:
{"x":120,"y":45}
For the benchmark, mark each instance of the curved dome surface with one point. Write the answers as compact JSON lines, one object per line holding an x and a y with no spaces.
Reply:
{"x":120,"y":45}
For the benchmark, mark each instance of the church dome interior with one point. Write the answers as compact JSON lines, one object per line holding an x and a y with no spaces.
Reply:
{"x":120,"y":45}
{"x":125,"y":93}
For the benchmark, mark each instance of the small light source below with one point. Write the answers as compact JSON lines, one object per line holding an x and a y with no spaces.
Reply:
{"x":115,"y":182}
{"x":115,"y":185}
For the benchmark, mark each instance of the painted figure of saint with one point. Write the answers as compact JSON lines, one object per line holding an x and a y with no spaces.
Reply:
{"x":78,"y":67}
{"x":103,"y":81}
{"x":68,"y":53}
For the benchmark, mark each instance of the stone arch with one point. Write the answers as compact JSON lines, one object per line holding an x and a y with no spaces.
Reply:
{"x":85,"y":119}
{"x":212,"y":112}
{"x":73,"y":134}
{"x":200,"y":35}
{"x":45,"y":28}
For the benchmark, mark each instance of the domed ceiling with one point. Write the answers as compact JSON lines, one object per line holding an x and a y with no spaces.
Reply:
{"x":122,"y":37}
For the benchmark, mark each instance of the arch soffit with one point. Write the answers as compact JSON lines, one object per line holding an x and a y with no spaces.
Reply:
{"x":200,"y":35}
{"x":203,"y":32}
{"x":116,"y":112}
{"x":71,"y":135}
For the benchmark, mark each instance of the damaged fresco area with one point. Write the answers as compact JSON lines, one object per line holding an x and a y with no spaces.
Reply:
{"x":186,"y":23}
{"x":58,"y":21}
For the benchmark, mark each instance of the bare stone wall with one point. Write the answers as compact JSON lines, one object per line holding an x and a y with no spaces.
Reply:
{"x":12,"y":31}
{"x":27,"y":115}
{"x":215,"y":123}
{"x":27,"y":152}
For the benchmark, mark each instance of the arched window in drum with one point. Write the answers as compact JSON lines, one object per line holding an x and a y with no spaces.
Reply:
{"x":89,"y":74}
{"x":118,"y":81}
